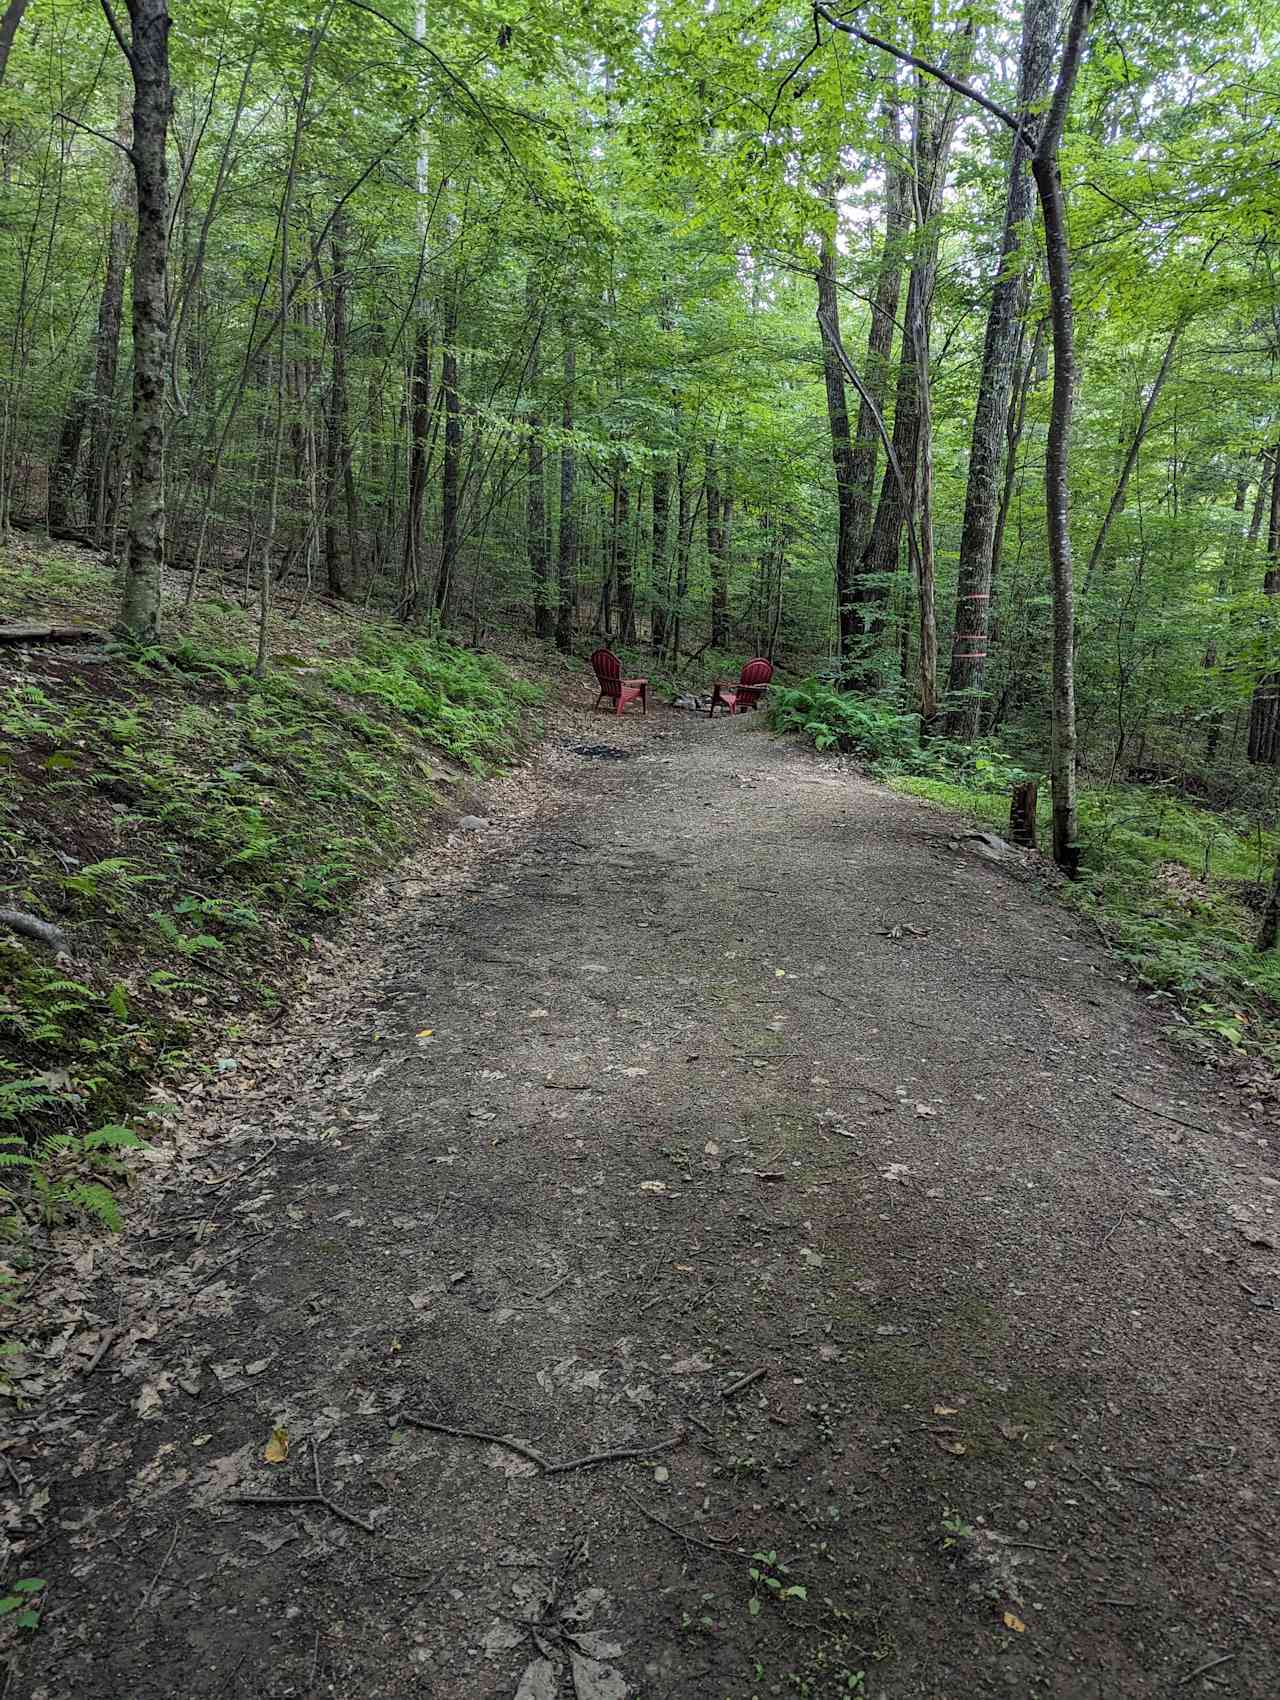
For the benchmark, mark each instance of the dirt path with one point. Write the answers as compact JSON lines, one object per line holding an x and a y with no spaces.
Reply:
{"x":734,"y":1068}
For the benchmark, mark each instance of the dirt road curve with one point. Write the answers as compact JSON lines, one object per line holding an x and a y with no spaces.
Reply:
{"x":734,"y":1070}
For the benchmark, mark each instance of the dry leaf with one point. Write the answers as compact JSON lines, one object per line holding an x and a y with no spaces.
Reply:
{"x":945,"y":1411}
{"x":653,"y":1186}
{"x":1014,"y":1622}
{"x":1013,"y":1431}
{"x":427,"y":1033}
{"x":277,"y":1448}
{"x":956,"y":1448}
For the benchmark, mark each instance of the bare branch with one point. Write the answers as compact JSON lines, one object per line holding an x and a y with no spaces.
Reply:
{"x":102,"y":136}
{"x":956,"y":84}
{"x":117,"y":32}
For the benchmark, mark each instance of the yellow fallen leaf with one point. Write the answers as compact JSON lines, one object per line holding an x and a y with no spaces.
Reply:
{"x":779,"y":973}
{"x":945,"y":1411}
{"x":277,"y":1448}
{"x":426,"y":1033}
{"x":1014,"y":1622}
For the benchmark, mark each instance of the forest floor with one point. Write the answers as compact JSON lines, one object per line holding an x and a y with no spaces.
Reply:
{"x":876,"y":1303}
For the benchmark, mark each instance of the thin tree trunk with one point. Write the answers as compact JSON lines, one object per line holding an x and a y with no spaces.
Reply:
{"x":622,"y":561}
{"x":98,"y":480}
{"x":841,"y":443}
{"x":884,"y":314}
{"x":338,"y":447}
{"x":567,"y":550}
{"x":717,"y":553}
{"x":684,"y":545}
{"x":62,"y":474}
{"x":1121,"y":491}
{"x":452,"y":455}
{"x":661,"y":566}
{"x":1013,"y":438}
{"x":1264,"y":706}
{"x":1066,"y":848}
{"x":536,"y":533}
{"x":147,"y":53}
{"x":991,"y":412}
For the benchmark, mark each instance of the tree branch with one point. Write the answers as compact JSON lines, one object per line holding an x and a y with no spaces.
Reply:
{"x":956,"y":84}
{"x":116,"y":31}
{"x":43,"y":932}
{"x":102,"y":136}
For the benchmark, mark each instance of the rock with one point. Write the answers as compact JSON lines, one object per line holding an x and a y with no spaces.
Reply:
{"x":473,"y":823}
{"x":686,"y":701}
{"x":990,"y":845}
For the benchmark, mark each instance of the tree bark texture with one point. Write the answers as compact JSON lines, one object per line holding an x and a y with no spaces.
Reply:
{"x":536,"y":533}
{"x":567,"y":548}
{"x":1264,"y":707}
{"x":991,"y":411}
{"x":660,"y":565}
{"x":841,"y":445}
{"x":451,"y":468}
{"x":148,"y":57}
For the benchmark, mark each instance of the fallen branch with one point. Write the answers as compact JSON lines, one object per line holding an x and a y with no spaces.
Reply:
{"x":733,"y":1554}
{"x":1201,"y":1670}
{"x":1155,"y":1110}
{"x":43,"y":932}
{"x":50,"y":634}
{"x":545,"y":1465}
{"x":742,"y":1382}
{"x":321,"y":1499}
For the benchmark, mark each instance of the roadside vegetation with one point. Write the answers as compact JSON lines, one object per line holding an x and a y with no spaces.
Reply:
{"x":1175,"y":874}
{"x":188,"y":828}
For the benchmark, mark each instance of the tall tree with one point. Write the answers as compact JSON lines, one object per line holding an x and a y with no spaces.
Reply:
{"x":995,"y":382}
{"x":147,"y":55}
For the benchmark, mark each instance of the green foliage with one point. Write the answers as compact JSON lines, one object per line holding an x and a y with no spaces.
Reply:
{"x":21,"y":1607}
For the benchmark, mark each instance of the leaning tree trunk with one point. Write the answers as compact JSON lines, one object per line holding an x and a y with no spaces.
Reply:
{"x":147,"y":52}
{"x":991,"y":412}
{"x":567,"y":551}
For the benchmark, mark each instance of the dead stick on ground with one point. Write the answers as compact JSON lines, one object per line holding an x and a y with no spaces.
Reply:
{"x":104,"y":1346}
{"x":742,"y":1382}
{"x":733,"y":1554}
{"x":522,"y":1450}
{"x":1164,"y":1115}
{"x":1117,"y":1224}
{"x":1202,"y":1670}
{"x":321,"y":1499}
{"x":151,"y":1586}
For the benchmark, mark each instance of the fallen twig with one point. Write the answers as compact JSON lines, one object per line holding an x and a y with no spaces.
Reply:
{"x":104,"y":1346}
{"x":1155,"y":1110}
{"x":742,"y":1381}
{"x":151,"y":1585}
{"x":321,"y":1499}
{"x":1202,"y":1670}
{"x":545,"y":1465}
{"x":1119,"y":1222}
{"x":717,"y":1547}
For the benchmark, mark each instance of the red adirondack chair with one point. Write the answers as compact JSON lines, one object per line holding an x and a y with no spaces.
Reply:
{"x":747,"y":692}
{"x":613,"y":687}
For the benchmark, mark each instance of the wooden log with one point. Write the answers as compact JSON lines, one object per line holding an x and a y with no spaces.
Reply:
{"x":1022,"y":814}
{"x":50,"y":634}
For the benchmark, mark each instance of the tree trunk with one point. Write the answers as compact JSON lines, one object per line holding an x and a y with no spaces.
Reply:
{"x":841,"y":445}
{"x":1269,"y":932}
{"x":622,"y":561}
{"x":148,"y":56}
{"x":452,"y":456}
{"x":933,"y":137}
{"x":718,"y":507}
{"x":536,"y":533}
{"x":1264,"y":707}
{"x":106,"y":355}
{"x":338,"y":473}
{"x":991,"y":413}
{"x":1066,"y":848}
{"x":9,"y":21}
{"x":567,"y":551}
{"x":62,"y":474}
{"x":684,"y":544}
{"x":661,"y":567}
{"x":1121,"y":491}
{"x":413,"y":561}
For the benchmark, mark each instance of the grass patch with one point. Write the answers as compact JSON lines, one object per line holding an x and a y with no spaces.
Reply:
{"x":190,"y":829}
